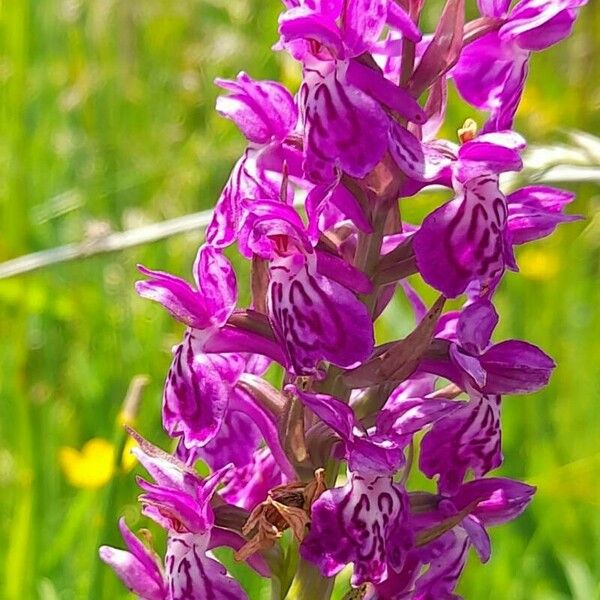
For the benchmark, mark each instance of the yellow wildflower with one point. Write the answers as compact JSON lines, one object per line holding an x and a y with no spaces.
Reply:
{"x":93,"y":465}
{"x":540,"y":265}
{"x":128,"y":460}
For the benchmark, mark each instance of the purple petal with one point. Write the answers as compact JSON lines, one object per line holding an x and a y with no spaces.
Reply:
{"x":493,"y":8}
{"x":399,"y":19}
{"x":194,"y":576}
{"x":145,"y":556}
{"x":183,"y":302}
{"x":346,"y":202}
{"x":265,"y":422}
{"x":256,"y":364}
{"x":233,"y":339}
{"x":384,"y":91}
{"x":361,"y":523}
{"x":553,"y":31}
{"x":133,"y":574}
{"x":538,"y":24}
{"x":447,"y":325}
{"x":388,"y":53}
{"x":302,"y":24}
{"x":363,"y":21}
{"x":267,"y":226}
{"x":476,"y":323}
{"x":222,"y":228}
{"x":263,"y":110}
{"x":401,"y":582}
{"x":502,"y":116}
{"x":408,"y":416}
{"x":325,"y":7}
{"x":489,"y":155}
{"x":205,"y":490}
{"x":416,"y":386}
{"x":197,"y":392}
{"x":344,"y":127}
{"x":235,"y":443}
{"x":478,"y":537}
{"x":333,"y":412}
{"x":336,"y":268}
{"x":375,"y":455}
{"x":482,"y":71}
{"x":444,"y":367}
{"x":311,"y":316}
{"x":469,"y":365}
{"x":469,"y":438}
{"x":216,"y":281}
{"x":249,"y":485}
{"x":248,"y":179}
{"x":321,"y":214}
{"x":504,"y":138}
{"x":173,"y":509}
{"x":184,"y":507}
{"x":535,"y":211}
{"x":139,"y":569}
{"x":446,"y":557}
{"x":491,"y":75}
{"x":165,"y":469}
{"x":463,"y":240}
{"x":422,"y":162}
{"x":516,"y":367}
{"x":498,"y":500}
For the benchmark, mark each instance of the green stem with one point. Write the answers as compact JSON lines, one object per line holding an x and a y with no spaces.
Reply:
{"x":309,"y":584}
{"x":369,"y":251}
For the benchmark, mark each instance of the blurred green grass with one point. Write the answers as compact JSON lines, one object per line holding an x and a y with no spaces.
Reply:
{"x":107,"y":122}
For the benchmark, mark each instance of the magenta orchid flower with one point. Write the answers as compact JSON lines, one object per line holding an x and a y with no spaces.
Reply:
{"x":378,"y":450}
{"x":310,"y":294}
{"x":465,"y":240}
{"x":363,"y":523}
{"x":266,"y":114}
{"x":344,"y":103}
{"x":200,"y":401}
{"x":328,"y":453}
{"x":179,"y":501}
{"x":469,"y":360}
{"x":466,"y":440}
{"x":432,"y":571}
{"x":491,"y":72}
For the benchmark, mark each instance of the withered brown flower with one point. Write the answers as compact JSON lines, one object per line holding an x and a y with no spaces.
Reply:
{"x":286,"y":506}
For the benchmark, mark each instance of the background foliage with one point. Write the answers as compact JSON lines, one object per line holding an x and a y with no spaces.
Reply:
{"x":107,"y":123}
